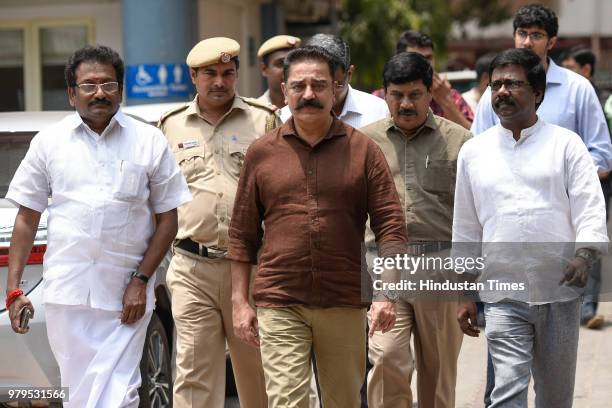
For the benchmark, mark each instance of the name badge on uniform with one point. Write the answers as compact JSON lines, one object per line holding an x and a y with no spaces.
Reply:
{"x":188,"y":145}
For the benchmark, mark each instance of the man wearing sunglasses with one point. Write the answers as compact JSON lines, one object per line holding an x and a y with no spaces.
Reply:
{"x":114,"y":189}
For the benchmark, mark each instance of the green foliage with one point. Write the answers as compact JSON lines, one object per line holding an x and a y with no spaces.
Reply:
{"x":372,"y":27}
{"x":484,"y":12}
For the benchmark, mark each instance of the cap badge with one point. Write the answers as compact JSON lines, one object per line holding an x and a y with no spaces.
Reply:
{"x":225,"y":57}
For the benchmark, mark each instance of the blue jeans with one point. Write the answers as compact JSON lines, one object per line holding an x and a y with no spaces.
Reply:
{"x":541,"y":340}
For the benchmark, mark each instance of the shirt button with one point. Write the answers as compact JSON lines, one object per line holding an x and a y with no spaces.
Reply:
{"x":315,"y":269}
{"x":220,"y":195}
{"x":222,"y":219}
{"x":218,"y":173}
{"x":216,"y":151}
{"x":310,"y":172}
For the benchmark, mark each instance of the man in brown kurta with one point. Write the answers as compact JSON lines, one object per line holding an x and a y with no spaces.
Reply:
{"x":209,"y":137}
{"x":312,"y":182}
{"x":422,"y":151}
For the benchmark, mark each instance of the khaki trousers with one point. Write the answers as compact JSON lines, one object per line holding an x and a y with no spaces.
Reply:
{"x":437,"y":341}
{"x":287,"y":337}
{"x":202,"y":311}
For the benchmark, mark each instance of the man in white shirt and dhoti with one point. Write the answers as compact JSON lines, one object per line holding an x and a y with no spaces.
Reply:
{"x":114,"y":187}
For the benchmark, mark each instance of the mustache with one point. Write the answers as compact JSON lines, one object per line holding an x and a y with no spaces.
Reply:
{"x":504,"y":100}
{"x":103,"y":102}
{"x":218,"y":89}
{"x":407,"y":112}
{"x":309,"y":102}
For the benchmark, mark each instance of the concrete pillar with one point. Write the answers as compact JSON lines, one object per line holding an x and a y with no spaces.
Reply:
{"x":157,"y":35}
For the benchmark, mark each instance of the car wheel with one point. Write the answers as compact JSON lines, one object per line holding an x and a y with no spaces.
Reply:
{"x":155,"y":368}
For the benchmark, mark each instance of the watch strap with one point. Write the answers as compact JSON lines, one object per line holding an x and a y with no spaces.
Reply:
{"x":139,"y":275}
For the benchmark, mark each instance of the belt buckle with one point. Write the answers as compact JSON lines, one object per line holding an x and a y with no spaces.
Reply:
{"x":215,"y":253}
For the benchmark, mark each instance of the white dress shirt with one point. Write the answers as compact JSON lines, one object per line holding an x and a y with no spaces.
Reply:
{"x":360,"y":109}
{"x":104,"y":190}
{"x":569,"y":101}
{"x":542,"y":188}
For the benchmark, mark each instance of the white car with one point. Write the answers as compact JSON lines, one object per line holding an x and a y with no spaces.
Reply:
{"x":27,"y":360}
{"x":152,"y":112}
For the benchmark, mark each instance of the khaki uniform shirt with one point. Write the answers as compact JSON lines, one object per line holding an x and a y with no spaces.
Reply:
{"x":211,"y":157}
{"x":265,"y":98}
{"x":424,"y":168}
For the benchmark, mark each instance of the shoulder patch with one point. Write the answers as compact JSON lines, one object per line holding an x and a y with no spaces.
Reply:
{"x":170,"y":113}
{"x":258,"y":104}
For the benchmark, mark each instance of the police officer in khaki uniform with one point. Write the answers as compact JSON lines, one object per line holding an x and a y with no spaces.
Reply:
{"x":209,"y":138}
{"x":272,"y":54}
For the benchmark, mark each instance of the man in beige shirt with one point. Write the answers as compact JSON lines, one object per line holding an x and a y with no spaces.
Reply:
{"x":209,"y":138}
{"x":421,"y":150}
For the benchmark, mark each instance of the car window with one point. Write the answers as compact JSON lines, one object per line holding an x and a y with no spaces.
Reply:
{"x":13,"y":148}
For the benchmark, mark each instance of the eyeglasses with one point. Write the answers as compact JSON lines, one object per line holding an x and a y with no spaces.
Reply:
{"x":107,"y":87}
{"x":533,"y":36}
{"x":509,"y":84}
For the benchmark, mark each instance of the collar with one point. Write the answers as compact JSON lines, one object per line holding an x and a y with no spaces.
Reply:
{"x":336,"y":129}
{"x":430,"y":123}
{"x":194,"y":108}
{"x":75,"y":120}
{"x":350,"y":105}
{"x":266,"y":95}
{"x":555,"y":74}
{"x":525,"y":133}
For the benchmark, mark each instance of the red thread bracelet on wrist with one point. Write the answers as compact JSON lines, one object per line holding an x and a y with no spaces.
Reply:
{"x":12,"y":295}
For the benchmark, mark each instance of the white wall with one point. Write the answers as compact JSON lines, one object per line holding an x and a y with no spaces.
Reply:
{"x":585,"y":17}
{"x":237,"y":19}
{"x":107,"y":17}
{"x":577,"y":18}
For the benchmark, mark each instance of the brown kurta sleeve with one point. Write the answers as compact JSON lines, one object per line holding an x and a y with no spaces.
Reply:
{"x":386,"y":215}
{"x":246,"y":232}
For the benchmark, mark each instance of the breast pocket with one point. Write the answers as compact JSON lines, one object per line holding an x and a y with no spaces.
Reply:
{"x":439,"y":176}
{"x":236,"y":153}
{"x":131,"y":182}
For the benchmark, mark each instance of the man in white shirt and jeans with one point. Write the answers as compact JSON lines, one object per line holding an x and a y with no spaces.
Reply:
{"x":106,"y":175}
{"x":526,"y":190}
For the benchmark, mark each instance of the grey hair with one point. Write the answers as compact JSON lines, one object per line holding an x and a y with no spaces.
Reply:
{"x":334,"y":45}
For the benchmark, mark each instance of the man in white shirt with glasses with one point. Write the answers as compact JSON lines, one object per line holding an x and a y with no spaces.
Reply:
{"x":114,"y":189}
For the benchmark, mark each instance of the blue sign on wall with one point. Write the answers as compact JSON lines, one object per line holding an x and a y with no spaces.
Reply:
{"x":150,"y":81}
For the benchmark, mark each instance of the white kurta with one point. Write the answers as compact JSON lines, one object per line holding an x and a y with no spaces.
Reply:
{"x":528,"y":205}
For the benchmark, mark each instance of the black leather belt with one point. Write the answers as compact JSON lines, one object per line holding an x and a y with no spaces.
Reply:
{"x":418,"y":248}
{"x":199,"y":249}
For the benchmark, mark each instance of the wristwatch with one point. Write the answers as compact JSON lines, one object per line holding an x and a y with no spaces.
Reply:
{"x":588,"y":255}
{"x":389,"y":295}
{"x":140,"y":276}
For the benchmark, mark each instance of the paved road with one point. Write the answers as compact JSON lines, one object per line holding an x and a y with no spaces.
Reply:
{"x":593,"y":377}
